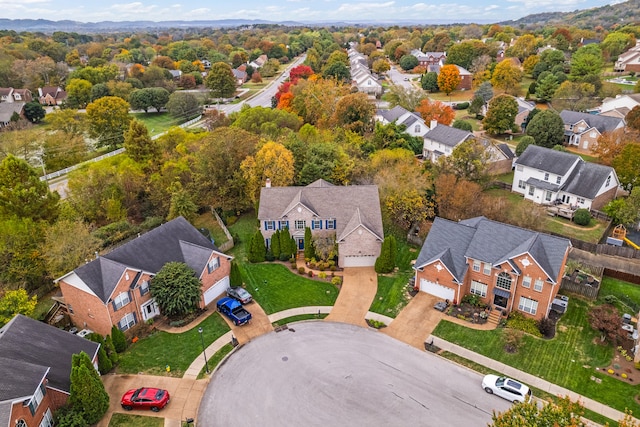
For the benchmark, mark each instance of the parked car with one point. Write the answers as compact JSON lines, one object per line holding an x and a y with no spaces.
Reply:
{"x":506,"y":388}
{"x":145,"y":398}
{"x":240,"y":294}
{"x":233,"y":310}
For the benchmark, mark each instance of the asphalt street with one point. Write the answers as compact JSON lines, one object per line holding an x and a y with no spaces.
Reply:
{"x":324,"y":373}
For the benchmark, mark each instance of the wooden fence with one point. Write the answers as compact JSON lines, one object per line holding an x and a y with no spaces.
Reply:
{"x":587,"y":291}
{"x":229,"y":243}
{"x":620,"y":275}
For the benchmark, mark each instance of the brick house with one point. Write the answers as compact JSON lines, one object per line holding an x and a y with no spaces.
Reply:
{"x":9,"y":94}
{"x":582,"y":130}
{"x":548,"y":177}
{"x":35,"y":369}
{"x":51,"y":95}
{"x":347,"y":215}
{"x":113,"y":289}
{"x":508,"y":267}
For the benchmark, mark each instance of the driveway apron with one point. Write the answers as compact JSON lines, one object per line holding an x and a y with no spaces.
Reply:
{"x":358,"y":290}
{"x":416,"y":321}
{"x":185,"y":395}
{"x":259,"y":324}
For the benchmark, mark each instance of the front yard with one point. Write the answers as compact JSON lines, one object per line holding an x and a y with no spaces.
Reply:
{"x":573,"y":359}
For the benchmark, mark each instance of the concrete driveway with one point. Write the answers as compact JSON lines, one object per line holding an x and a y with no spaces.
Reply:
{"x":359,"y":287}
{"x":416,"y":321}
{"x":259,"y":324}
{"x":185,"y":396}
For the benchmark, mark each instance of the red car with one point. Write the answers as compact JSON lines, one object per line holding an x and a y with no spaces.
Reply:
{"x":145,"y":398}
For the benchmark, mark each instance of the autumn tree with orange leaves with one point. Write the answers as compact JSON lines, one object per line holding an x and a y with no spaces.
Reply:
{"x":284,"y":103}
{"x":436,"y":110}
{"x":449,"y":78}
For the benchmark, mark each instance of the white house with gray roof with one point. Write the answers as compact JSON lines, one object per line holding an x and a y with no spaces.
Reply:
{"x":413,"y":122}
{"x":548,"y":177}
{"x":346,"y":215}
{"x":441,"y":140}
{"x":507,"y":267}
{"x":582,"y":130}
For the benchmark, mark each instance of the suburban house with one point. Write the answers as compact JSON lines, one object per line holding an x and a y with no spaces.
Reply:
{"x":550,"y":177}
{"x":361,"y":76}
{"x":441,"y":139}
{"x":175,"y":74}
{"x":35,"y":369}
{"x":9,"y":94}
{"x":259,"y":61}
{"x":629,"y":60}
{"x":51,"y":95}
{"x":508,"y":267}
{"x":619,"y":106}
{"x":582,"y":130}
{"x":429,"y":58}
{"x":240,"y":76}
{"x":524,"y":108}
{"x":413,"y":122}
{"x":348,"y":216}
{"x":466,"y":79}
{"x":8,"y":109}
{"x":113,"y":289}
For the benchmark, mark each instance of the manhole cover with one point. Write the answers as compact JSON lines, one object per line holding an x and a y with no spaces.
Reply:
{"x":285,"y":358}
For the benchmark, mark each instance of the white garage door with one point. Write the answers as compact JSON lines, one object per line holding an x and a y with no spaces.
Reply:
{"x":437,"y":290}
{"x":216,"y":290}
{"x":359,"y":261}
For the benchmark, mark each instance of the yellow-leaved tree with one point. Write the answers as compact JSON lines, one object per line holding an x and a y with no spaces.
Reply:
{"x":272,"y":161}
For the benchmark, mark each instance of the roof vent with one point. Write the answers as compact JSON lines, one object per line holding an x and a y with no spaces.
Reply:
{"x":267,"y":183}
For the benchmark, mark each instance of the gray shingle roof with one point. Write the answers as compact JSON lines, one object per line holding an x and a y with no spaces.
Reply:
{"x":360,"y":203}
{"x":447,"y":135}
{"x":545,"y":159}
{"x":586,"y":179}
{"x":489,"y":241}
{"x":176,"y":240}
{"x":506,"y":150}
{"x":392,"y":114}
{"x":8,"y":108}
{"x":28,"y":348}
{"x":602,"y":123}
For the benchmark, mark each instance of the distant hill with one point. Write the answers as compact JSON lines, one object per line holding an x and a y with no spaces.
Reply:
{"x":48,"y":26}
{"x":606,"y":16}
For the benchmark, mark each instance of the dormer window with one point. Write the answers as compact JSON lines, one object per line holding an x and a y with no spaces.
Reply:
{"x":144,"y":287}
{"x":546,"y":177}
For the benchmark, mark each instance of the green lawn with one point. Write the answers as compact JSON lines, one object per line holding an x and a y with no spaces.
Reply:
{"x":278,"y":288}
{"x":158,"y":122}
{"x":628,"y":294}
{"x":128,"y":420}
{"x":208,"y":221}
{"x":215,"y":360}
{"x":152,"y":354}
{"x":299,"y":318}
{"x":505,"y":177}
{"x":391,"y":296}
{"x":569,"y":360}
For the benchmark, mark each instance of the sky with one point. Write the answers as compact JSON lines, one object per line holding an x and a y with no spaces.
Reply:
{"x":288,"y":10}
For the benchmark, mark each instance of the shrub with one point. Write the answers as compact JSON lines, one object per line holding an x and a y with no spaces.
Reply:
{"x":118,"y":338}
{"x":610,"y":299}
{"x":461,"y":106}
{"x":337,"y":280}
{"x":301,"y":270}
{"x":472,"y":299}
{"x":285,"y":257}
{"x":376,"y":323}
{"x":310,"y":273}
{"x":269,"y":256}
{"x":517,"y":321}
{"x":582,"y":217}
{"x":322,"y":275}
{"x":546,"y":326}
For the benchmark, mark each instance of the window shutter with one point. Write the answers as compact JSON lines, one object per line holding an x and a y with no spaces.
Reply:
{"x":266,"y":225}
{"x":135,"y":318}
{"x":313,"y":223}
{"x":32,"y":408}
{"x":113,"y":303}
{"x":320,"y":224}
{"x":43,"y":389}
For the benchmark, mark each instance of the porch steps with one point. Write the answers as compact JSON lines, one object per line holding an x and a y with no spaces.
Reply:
{"x":494,"y":317}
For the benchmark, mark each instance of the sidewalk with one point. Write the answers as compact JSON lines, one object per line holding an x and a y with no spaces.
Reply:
{"x":529,"y":379}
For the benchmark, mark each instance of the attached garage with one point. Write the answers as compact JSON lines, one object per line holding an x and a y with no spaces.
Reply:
{"x":358,"y":261}
{"x":216,"y":290}
{"x":438,"y":290}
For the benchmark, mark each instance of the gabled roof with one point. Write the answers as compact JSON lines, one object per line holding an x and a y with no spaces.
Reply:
{"x":506,"y":150}
{"x":602,"y":123}
{"x":349,"y":205}
{"x":587,"y":178}
{"x":29,"y":348}
{"x":492,"y":242}
{"x":8,"y":108}
{"x":392,"y":114}
{"x":176,"y":240}
{"x":548,"y":160}
{"x":447,"y":135}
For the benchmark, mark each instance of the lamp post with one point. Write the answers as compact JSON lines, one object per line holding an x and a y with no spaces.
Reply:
{"x":206,"y":365}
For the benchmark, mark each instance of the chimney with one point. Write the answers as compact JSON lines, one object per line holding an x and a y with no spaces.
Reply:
{"x":434,"y":123}
{"x":267,"y":183}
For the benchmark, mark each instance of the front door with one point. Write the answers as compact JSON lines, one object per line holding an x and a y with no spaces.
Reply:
{"x":500,"y":301}
{"x":300,"y":243}
{"x":149,"y":310}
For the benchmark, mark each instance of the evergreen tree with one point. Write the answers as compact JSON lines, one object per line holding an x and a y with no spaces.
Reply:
{"x":118,"y":338}
{"x":235,"y":278}
{"x":104,"y":363}
{"x":285,"y":244}
{"x":386,"y":262}
{"x":309,"y":250}
{"x":257,"y":248}
{"x":110,"y":349}
{"x":87,"y":393}
{"x":294,"y":247}
{"x":275,"y":244}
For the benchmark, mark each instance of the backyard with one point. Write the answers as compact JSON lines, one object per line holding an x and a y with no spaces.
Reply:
{"x":574,"y":359}
{"x":158,"y":122}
